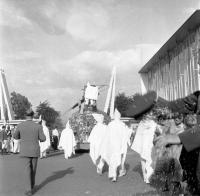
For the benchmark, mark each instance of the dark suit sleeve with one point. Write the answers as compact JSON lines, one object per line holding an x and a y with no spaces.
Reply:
{"x":191,"y":138}
{"x":42,"y":137}
{"x":16,"y":134}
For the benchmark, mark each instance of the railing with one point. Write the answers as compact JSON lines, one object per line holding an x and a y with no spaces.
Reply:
{"x":16,"y":122}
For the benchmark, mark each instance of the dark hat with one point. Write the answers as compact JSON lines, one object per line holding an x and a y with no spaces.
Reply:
{"x":29,"y":112}
{"x":141,"y":104}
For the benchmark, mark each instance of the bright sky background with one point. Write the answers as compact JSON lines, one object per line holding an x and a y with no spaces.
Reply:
{"x":51,"y":48}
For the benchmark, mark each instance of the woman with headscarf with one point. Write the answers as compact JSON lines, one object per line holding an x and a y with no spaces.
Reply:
{"x":95,"y":139}
{"x":114,"y":148}
{"x":44,"y":146}
{"x":67,"y":141}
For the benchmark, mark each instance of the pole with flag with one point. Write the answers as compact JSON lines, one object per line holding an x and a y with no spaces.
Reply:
{"x":5,"y":103}
{"x":110,"y":99}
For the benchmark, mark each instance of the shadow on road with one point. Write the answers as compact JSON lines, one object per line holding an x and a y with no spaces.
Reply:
{"x":138,"y":169}
{"x":56,"y":175}
{"x":127,"y":166}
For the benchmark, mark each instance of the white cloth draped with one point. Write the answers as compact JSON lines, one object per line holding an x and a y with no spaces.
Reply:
{"x":16,"y":148}
{"x":45,"y":145}
{"x":67,"y":141}
{"x":115,"y":144}
{"x":143,"y":144}
{"x":95,"y":139}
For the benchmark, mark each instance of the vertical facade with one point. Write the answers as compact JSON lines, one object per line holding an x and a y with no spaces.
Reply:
{"x":174,"y":71}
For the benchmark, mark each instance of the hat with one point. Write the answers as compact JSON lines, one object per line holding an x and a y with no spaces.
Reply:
{"x":29,"y":112}
{"x":117,"y":114}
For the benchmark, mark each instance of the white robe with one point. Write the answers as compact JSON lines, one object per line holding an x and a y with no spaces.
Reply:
{"x":16,"y":148}
{"x":143,"y":145}
{"x":67,"y":142}
{"x":45,"y":145}
{"x":115,"y":145}
{"x":95,"y":139}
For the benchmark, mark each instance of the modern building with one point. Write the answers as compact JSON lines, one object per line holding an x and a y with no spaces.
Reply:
{"x":174,"y":71}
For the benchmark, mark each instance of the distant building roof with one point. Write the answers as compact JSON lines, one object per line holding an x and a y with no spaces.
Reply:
{"x":191,"y":24}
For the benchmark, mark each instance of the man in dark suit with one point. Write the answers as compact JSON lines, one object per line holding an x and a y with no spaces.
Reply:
{"x":30,"y":133}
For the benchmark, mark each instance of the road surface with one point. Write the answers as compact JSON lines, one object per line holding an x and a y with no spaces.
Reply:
{"x":73,"y":177}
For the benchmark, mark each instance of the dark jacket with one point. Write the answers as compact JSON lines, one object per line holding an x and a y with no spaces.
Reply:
{"x":3,"y":135}
{"x":191,"y":138}
{"x":30,"y":133}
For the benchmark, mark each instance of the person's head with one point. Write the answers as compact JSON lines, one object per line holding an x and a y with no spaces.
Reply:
{"x":29,"y":113}
{"x":117,"y":114}
{"x":190,"y":120}
{"x":68,"y":125}
{"x":7,"y":127}
{"x":178,"y":118}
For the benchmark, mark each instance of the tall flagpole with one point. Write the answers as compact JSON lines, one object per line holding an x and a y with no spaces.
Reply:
{"x":5,"y":99}
{"x":110,"y":99}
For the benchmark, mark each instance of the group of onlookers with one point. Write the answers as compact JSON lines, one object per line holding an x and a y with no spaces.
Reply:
{"x":168,"y":144}
{"x":7,"y":143}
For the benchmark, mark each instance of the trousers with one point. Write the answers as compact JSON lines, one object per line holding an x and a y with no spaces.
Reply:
{"x":30,"y":167}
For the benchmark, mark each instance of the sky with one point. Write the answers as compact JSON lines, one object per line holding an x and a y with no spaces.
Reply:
{"x":49,"y":49}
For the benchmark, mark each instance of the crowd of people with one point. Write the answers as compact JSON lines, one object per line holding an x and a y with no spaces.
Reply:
{"x":168,"y":145}
{"x":167,"y":142}
{"x":10,"y":145}
{"x":7,"y":143}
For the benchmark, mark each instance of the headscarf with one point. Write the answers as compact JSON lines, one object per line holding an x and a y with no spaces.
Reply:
{"x":117,"y":114}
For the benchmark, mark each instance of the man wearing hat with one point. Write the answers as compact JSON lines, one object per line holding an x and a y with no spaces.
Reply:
{"x":30,"y":133}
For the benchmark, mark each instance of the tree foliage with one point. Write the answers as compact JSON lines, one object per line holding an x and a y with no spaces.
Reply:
{"x":20,"y":105}
{"x":122,"y":103}
{"x":49,"y":114}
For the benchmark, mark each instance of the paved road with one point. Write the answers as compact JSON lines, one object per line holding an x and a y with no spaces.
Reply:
{"x":74,"y":177}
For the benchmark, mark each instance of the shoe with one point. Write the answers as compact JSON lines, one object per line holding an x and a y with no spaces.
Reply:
{"x":99,"y":171}
{"x":114,"y":179}
{"x":122,"y":173}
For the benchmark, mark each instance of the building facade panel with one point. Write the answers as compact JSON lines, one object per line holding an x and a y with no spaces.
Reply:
{"x":176,"y":73}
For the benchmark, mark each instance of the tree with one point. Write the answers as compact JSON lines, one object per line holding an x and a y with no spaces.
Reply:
{"x":20,"y":105}
{"x":122,"y":103}
{"x":49,"y":114}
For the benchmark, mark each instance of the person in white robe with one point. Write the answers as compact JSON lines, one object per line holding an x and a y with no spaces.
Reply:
{"x":115,"y":145}
{"x":44,"y":146}
{"x":16,"y":146}
{"x":67,"y":141}
{"x":143,"y":144}
{"x":95,"y":139}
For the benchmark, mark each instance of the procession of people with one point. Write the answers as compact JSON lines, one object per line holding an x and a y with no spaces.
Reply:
{"x":167,"y":142}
